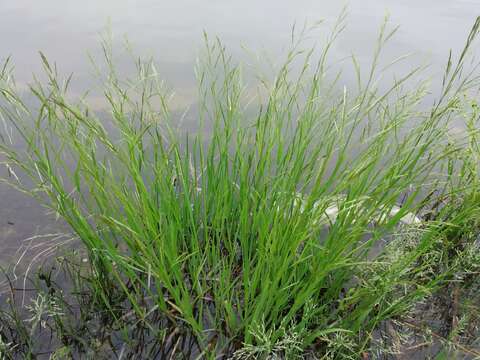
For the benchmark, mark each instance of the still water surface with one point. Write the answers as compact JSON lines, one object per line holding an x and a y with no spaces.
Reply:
{"x":171,"y":32}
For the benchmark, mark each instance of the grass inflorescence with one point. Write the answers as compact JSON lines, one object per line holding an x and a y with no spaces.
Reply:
{"x":302,"y":222}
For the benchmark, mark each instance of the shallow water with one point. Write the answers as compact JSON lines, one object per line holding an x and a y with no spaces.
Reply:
{"x":171,"y":31}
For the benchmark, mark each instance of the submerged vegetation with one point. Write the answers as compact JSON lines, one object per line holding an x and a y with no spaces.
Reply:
{"x":221,"y":243}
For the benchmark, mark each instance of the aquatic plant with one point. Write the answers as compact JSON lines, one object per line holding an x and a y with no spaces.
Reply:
{"x":223,"y":236}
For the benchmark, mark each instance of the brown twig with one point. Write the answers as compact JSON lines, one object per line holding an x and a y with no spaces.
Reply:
{"x":441,"y":338}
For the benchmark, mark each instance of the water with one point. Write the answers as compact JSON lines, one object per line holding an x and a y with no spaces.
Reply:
{"x":171,"y":31}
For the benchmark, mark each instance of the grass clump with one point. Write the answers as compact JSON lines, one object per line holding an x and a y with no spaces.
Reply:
{"x":262,"y":237}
